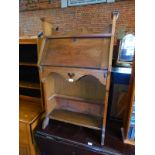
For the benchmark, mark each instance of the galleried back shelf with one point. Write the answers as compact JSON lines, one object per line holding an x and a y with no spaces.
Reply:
{"x":75,"y":74}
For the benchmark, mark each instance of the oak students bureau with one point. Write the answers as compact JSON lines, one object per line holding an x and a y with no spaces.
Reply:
{"x":75,"y":74}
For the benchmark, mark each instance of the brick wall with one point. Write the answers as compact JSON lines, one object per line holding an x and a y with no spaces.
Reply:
{"x":92,"y":18}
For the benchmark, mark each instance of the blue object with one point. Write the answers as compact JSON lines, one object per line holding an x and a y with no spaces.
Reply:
{"x":119,"y":75}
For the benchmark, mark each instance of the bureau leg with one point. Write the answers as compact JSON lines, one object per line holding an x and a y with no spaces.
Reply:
{"x":103,"y":136}
{"x":45,"y":122}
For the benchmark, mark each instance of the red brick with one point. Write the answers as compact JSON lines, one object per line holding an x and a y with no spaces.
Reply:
{"x":94,"y":18}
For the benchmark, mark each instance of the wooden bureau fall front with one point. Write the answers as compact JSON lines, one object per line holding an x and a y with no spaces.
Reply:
{"x":75,"y":75}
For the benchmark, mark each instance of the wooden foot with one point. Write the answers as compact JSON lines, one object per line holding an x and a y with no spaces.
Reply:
{"x":103,"y":136}
{"x":45,"y":122}
{"x":125,"y":140}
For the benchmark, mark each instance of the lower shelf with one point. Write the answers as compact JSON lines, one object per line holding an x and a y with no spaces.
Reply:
{"x":76,"y":118}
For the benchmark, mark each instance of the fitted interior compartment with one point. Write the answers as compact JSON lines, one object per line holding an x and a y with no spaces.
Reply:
{"x":87,"y":87}
{"x":79,"y":103}
{"x":28,"y":74}
{"x":28,"y":53}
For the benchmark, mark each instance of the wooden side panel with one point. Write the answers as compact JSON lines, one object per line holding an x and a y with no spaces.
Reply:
{"x":115,"y":15}
{"x":51,"y":104}
{"x":39,"y":45}
{"x":77,"y":52}
{"x":105,"y":108}
{"x":49,"y":86}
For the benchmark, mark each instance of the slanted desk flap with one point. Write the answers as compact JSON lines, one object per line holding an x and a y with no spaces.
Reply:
{"x":90,"y":51}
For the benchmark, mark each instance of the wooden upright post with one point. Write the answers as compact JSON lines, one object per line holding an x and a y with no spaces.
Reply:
{"x":115,"y":15}
{"x":47,"y":27}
